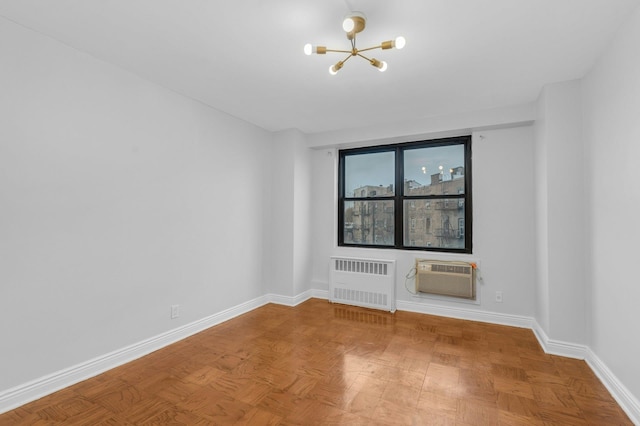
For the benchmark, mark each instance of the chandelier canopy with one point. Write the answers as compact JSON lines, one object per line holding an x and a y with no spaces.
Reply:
{"x":354,"y":23}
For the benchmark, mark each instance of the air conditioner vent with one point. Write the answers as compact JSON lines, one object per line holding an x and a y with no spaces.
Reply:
{"x":454,"y":279}
{"x":452,"y":269}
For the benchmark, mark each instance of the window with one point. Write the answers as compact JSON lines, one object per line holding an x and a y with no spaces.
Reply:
{"x":413,"y":195}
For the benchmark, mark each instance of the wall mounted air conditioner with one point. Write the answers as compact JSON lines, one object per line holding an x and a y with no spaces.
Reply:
{"x":445,"y":278}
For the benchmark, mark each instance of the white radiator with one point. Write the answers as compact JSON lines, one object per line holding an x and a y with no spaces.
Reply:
{"x":370,"y":283}
{"x":451,"y":278}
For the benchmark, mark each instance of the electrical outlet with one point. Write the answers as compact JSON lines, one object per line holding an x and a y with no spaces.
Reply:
{"x":175,"y":311}
{"x":499,"y":296}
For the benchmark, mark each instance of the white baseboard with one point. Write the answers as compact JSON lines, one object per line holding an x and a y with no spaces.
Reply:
{"x":22,"y":394}
{"x":558,"y":347}
{"x":554,"y":347}
{"x":465,"y":313}
{"x":296,"y":300}
{"x":620,"y":393}
{"x":320,"y":294}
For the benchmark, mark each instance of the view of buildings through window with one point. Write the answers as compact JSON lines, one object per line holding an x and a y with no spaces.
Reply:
{"x":435,"y":222}
{"x":432,"y":200}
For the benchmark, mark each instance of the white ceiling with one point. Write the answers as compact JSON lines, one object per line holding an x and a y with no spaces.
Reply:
{"x":245,"y":57}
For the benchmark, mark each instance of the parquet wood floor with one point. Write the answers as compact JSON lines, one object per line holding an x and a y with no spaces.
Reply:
{"x":320,"y":363}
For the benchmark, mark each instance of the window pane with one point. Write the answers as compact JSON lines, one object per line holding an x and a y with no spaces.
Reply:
{"x":369,"y":222}
{"x":369,"y":175}
{"x":436,"y":223}
{"x":434,"y":171}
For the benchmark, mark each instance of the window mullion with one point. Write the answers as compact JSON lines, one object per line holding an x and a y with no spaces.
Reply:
{"x":399,"y":207}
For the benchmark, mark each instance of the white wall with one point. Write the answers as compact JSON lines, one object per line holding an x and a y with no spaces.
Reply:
{"x":503,"y":222}
{"x":504,"y":218}
{"x":430,"y":127}
{"x":302,"y":224}
{"x":560,"y":193}
{"x":611,"y":94}
{"x":541,"y":207}
{"x":288,"y":244}
{"x":280,"y":253}
{"x":118,"y":198}
{"x":324,"y":164}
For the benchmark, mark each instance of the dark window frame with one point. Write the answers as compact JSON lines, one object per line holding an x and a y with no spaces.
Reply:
{"x":399,"y":197}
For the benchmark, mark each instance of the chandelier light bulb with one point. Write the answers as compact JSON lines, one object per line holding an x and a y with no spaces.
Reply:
{"x":398,"y":43}
{"x":333,"y":69}
{"x":348,"y":25}
{"x":381,"y":65}
{"x":310,"y":49}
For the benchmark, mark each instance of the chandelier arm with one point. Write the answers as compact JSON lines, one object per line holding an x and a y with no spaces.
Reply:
{"x":370,"y":48}
{"x":347,"y":58}
{"x":364,"y":57}
{"x":338,"y":51}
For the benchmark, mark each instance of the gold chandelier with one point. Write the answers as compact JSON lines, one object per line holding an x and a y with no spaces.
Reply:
{"x":354,"y":23}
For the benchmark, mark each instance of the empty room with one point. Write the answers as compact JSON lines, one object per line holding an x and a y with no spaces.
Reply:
{"x":319,"y":212}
